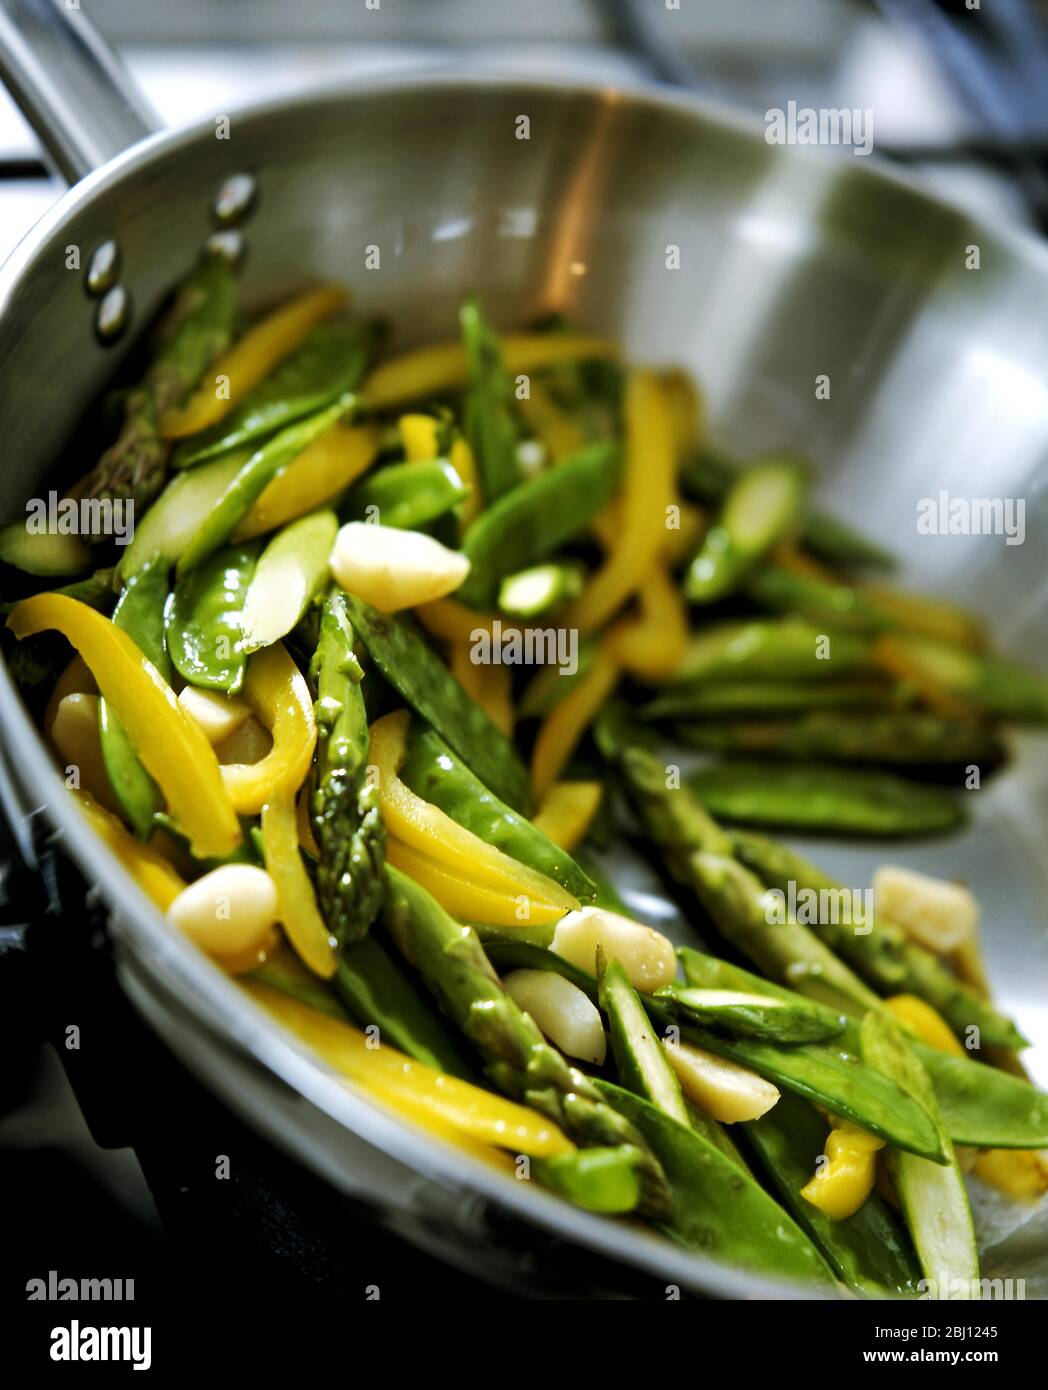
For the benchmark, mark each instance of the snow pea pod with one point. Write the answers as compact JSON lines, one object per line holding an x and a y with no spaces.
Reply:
{"x":407,"y":495}
{"x":536,"y":518}
{"x":140,"y":612}
{"x":640,"y":1061}
{"x":434,"y":772}
{"x":984,"y":1107}
{"x":251,"y":480}
{"x":869,"y":1251}
{"x":753,"y":1014}
{"x":204,"y":617}
{"x":718,"y":1209}
{"x":330,"y":361}
{"x":491,"y":426}
{"x":411,"y":666}
{"x":814,"y":797}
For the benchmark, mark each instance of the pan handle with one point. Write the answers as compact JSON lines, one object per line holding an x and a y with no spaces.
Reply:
{"x":69,"y":85}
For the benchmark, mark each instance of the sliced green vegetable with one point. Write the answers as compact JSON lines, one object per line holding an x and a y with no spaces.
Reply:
{"x":490,"y":423}
{"x":767,"y":650}
{"x":751,"y":1014}
{"x":813,"y":797}
{"x":536,"y":518}
{"x":433,"y":771}
{"x":290,"y":573}
{"x":531,"y":592}
{"x":639,"y":1059}
{"x":718,"y":1209}
{"x":140,"y":613}
{"x":179,"y":512}
{"x":330,"y":361}
{"x":204,"y":617}
{"x":602,"y":1180}
{"x":761,"y":508}
{"x":48,"y":554}
{"x":407,"y":495}
{"x":869,"y":1251}
{"x":413,"y":668}
{"x":251,"y":480}
{"x":932,"y":1195}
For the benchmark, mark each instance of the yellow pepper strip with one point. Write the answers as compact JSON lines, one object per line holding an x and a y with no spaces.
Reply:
{"x":925,"y":1022}
{"x":428,"y":830}
{"x":447,"y":618}
{"x":892,"y":657}
{"x":430,"y":371}
{"x":561,"y":730}
{"x":490,"y":686}
{"x":418,"y":435}
{"x":687,"y":411}
{"x":567,"y":812}
{"x":648,"y":490}
{"x":653,"y":646}
{"x":682,"y":542}
{"x":930,"y":617}
{"x":558,"y":432}
{"x":313,"y":477}
{"x":387,"y":1074}
{"x":298,"y":910}
{"x":1019,"y":1173}
{"x":171,"y":746}
{"x":75,"y":736}
{"x":463,"y":897}
{"x":462,"y":461}
{"x":840,"y":1187}
{"x":458,"y":1138}
{"x":151,"y":871}
{"x":277,"y":692}
{"x":252,"y":359}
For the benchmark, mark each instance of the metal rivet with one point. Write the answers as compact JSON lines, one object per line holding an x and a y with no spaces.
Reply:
{"x":235,"y":200}
{"x":112,"y":315}
{"x":228,"y":244}
{"x":102,"y":269}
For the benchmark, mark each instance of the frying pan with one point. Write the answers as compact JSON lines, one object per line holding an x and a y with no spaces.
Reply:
{"x":792,"y":264}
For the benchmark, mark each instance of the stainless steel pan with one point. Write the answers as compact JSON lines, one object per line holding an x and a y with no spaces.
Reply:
{"x":792,"y":264}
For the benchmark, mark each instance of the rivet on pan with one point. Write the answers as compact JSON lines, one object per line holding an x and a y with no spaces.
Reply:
{"x":228,"y":244}
{"x":235,"y":200}
{"x":102,"y":268}
{"x":112,"y":315}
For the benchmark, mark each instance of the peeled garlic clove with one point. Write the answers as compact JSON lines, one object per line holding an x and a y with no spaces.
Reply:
{"x":646,"y":955}
{"x":229,"y":912}
{"x":562,"y":1012}
{"x":218,"y":715}
{"x":932,"y":911}
{"x":393,"y":569}
{"x":722,"y":1089}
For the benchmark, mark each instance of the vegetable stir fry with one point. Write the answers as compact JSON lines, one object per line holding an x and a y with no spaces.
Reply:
{"x":399,"y":639}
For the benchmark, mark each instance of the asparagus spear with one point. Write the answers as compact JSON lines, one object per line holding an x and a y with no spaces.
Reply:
{"x":517,"y":1058}
{"x":347,"y":821}
{"x":198,"y":328}
{"x":882,"y":955}
{"x":912,"y":737}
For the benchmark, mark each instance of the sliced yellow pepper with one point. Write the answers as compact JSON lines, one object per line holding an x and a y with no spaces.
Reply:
{"x":566,"y":814}
{"x":930,"y":617}
{"x":454,"y":622}
{"x":463,"y":897}
{"x":891,"y":656}
{"x":683,"y":541}
{"x":840,"y":1187}
{"x":277,"y":692}
{"x":431,"y":371}
{"x":490,"y":686}
{"x":653,"y":646}
{"x":252,"y":359}
{"x":687,"y":411}
{"x":313,"y":477}
{"x":430,"y":832}
{"x":422,"y":1115}
{"x":418,"y":436}
{"x":171,"y":746}
{"x":563,"y":727}
{"x":151,"y":871}
{"x":923,"y":1020}
{"x":649,"y":489}
{"x":298,"y":909}
{"x":462,"y":461}
{"x":391,"y":1075}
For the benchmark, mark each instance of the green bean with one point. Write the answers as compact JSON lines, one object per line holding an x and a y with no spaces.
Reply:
{"x":781,"y":697}
{"x":530,"y":593}
{"x":252,"y":478}
{"x":760,"y":509}
{"x":203,"y":624}
{"x":434,"y":772}
{"x":140,"y":613}
{"x":413,"y":668}
{"x":718,"y":1209}
{"x":407,"y":495}
{"x":810,"y":797}
{"x":331,"y":361}
{"x":491,"y":427}
{"x":869,"y":1250}
{"x":536,"y":518}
